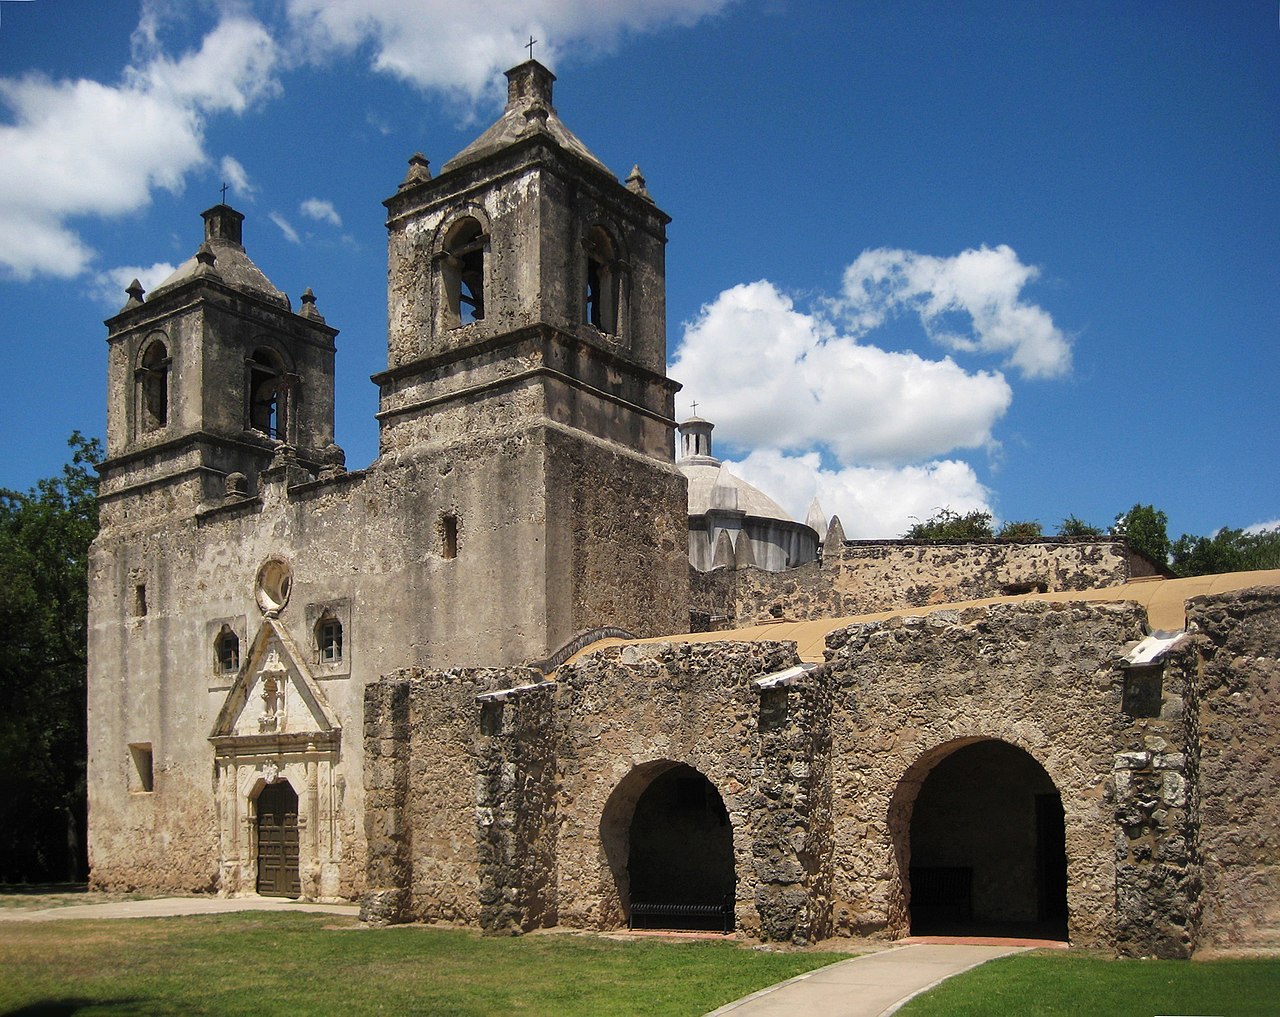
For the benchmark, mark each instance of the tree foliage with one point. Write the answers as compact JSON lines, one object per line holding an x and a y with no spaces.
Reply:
{"x":44,"y":546}
{"x":1073,"y":526}
{"x":1226,"y":551}
{"x":948,"y":525}
{"x":1028,"y":529}
{"x":1146,"y":529}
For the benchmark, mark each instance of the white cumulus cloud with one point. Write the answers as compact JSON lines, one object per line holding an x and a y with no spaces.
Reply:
{"x":971,"y":302}
{"x":290,"y":234}
{"x":873,"y":502}
{"x":1263,"y":527}
{"x":321,"y":211}
{"x":77,"y":148}
{"x":234,"y":174}
{"x":109,"y":285}
{"x":772,"y":376}
{"x":463,"y":48}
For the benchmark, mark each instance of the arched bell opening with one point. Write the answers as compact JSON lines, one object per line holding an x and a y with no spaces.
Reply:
{"x":669,"y":843}
{"x":985,"y":842}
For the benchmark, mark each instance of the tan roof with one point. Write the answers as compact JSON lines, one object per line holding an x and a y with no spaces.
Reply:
{"x":1164,"y":600}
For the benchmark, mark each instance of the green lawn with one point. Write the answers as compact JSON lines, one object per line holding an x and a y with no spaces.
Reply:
{"x":1070,"y":984}
{"x":297,"y":964}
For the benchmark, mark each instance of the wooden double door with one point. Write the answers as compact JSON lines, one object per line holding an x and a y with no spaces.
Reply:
{"x":278,"y":841}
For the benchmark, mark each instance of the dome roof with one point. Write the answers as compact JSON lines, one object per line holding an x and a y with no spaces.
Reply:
{"x":712,"y":486}
{"x":229,"y":261}
{"x":528,"y":112}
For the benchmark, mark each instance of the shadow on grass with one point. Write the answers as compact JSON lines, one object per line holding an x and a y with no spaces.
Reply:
{"x":128,"y":1007}
{"x":41,"y":889}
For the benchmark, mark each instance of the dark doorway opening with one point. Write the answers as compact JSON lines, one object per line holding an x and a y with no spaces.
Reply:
{"x":278,"y":841}
{"x":988,"y":847}
{"x":680,"y":863}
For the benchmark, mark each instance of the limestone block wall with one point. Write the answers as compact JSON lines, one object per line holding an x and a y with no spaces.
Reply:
{"x":908,"y":692}
{"x":867,"y":576}
{"x":513,"y":811}
{"x":458,"y":798}
{"x":626,"y":714}
{"x":1237,"y":713}
{"x":1158,"y":888}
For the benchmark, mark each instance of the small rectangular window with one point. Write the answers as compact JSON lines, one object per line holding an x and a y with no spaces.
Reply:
{"x":142,"y":777}
{"x":330,"y":640}
{"x":449,"y":536}
{"x":140,"y":600}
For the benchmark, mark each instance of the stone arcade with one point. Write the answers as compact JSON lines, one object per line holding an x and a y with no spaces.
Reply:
{"x":381,"y":684}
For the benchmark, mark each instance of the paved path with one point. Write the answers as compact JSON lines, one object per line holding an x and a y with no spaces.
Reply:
{"x":164,"y":906}
{"x":872,"y":985}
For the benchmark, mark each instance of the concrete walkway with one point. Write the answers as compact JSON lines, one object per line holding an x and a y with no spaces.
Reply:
{"x":872,"y":985}
{"x":162,"y":907}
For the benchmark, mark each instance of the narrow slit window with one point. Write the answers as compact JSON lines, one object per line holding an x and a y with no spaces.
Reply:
{"x":142,"y":776}
{"x":140,"y":600}
{"x":449,"y":536}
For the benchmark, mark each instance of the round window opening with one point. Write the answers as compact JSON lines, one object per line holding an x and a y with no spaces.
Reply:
{"x":274,"y":582}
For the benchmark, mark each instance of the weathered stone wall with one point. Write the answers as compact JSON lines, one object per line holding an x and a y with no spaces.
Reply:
{"x":791,"y":810}
{"x":516,"y":811}
{"x":907,"y":692}
{"x":459,"y":799}
{"x":865,"y":577}
{"x":513,"y":812}
{"x":625,"y":715}
{"x":1157,"y":875}
{"x":1237,"y":710}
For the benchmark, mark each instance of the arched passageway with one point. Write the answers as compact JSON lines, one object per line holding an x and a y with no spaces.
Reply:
{"x":278,"y":874}
{"x":671,"y":849}
{"x":988,"y":846}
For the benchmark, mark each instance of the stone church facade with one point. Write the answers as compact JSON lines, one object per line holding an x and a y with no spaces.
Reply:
{"x":372,"y":684}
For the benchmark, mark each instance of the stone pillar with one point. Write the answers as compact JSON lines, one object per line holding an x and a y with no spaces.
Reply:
{"x":1157,"y":877}
{"x":791,"y":811}
{"x":389,"y":868}
{"x":516,"y":809}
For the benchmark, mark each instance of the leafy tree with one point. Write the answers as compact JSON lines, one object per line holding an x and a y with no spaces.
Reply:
{"x":1073,"y":526}
{"x":44,"y":546}
{"x":1027,"y":530}
{"x":1145,"y":528}
{"x":948,"y":525}
{"x":1226,"y":551}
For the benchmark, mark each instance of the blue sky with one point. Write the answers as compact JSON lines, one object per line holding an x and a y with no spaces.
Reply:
{"x":1015,"y":256}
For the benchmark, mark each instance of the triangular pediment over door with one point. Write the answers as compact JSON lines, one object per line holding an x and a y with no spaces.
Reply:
{"x":275,"y":699}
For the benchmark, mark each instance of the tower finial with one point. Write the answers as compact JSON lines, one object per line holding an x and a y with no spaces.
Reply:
{"x":529,"y":46}
{"x":224,"y":192}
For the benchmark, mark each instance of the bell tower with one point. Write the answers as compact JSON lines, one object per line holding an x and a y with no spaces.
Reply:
{"x":212,"y":379}
{"x":527,"y":337}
